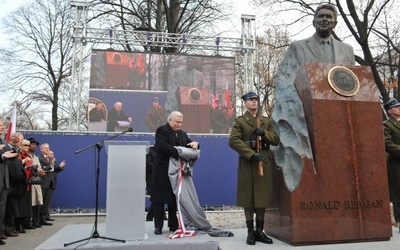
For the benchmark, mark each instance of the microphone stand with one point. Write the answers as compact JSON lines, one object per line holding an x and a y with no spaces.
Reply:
{"x":98,"y":145}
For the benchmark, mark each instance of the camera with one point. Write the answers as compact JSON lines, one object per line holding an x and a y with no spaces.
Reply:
{"x":34,"y":178}
{"x":46,"y":168}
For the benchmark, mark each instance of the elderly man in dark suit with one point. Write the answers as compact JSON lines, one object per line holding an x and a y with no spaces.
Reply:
{"x":49,"y":180}
{"x":288,"y":111}
{"x":167,"y":136}
{"x":117,"y":116}
{"x":4,"y":181}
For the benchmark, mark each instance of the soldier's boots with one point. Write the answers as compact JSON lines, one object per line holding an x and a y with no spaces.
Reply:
{"x":262,"y":237}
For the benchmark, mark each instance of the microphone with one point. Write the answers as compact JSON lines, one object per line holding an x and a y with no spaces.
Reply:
{"x":129,"y":130}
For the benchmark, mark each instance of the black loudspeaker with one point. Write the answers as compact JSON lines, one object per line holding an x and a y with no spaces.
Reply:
{"x":194,"y":103}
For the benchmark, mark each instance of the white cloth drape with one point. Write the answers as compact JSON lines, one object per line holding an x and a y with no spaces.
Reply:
{"x":192,"y":218}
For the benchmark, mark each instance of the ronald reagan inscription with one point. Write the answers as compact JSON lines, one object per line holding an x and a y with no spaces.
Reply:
{"x":347,"y":204}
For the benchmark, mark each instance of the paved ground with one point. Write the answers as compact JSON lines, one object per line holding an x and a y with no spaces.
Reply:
{"x":227,"y":220}
{"x":33,"y":238}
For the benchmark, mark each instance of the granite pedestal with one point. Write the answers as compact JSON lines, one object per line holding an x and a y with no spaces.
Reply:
{"x":345,"y":198}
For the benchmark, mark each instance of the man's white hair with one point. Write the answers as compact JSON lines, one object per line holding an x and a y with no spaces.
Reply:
{"x":174,"y":114}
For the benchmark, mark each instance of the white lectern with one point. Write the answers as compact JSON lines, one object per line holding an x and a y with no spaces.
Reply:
{"x":126,"y":189}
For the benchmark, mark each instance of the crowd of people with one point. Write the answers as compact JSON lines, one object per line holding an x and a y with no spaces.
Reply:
{"x":27,"y":182}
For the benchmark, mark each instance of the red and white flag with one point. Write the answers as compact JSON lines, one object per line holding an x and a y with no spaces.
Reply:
{"x":227,"y":97}
{"x":13,"y":123}
{"x":214,"y":101}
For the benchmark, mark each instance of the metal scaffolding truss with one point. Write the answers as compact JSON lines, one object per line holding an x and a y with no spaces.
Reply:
{"x":82,"y":34}
{"x":167,"y":40}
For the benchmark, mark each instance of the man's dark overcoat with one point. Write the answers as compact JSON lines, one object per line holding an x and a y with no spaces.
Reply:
{"x":18,"y":181}
{"x":249,"y":184}
{"x":114,"y":117}
{"x":18,"y":184}
{"x":166,"y":138}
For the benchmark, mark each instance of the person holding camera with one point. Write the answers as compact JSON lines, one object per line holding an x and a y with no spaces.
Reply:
{"x":37,"y":196}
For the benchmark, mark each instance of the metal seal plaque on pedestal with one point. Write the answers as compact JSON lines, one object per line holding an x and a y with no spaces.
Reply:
{"x":343,"y":81}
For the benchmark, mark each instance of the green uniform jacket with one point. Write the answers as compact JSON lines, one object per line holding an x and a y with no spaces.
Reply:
{"x":391,"y":128}
{"x":252,"y":190}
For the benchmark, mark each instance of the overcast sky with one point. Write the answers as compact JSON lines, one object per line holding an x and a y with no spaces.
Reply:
{"x":5,"y":7}
{"x":241,"y":7}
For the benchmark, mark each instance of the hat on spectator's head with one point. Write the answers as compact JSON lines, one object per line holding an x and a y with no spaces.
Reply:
{"x":155,"y":99}
{"x":32,"y":140}
{"x":249,"y":95}
{"x":391,"y":103}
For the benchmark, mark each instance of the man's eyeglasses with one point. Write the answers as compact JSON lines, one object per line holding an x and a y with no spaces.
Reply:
{"x":26,"y":145}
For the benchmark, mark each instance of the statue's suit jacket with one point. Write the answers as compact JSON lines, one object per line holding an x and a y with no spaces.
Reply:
{"x":288,"y":111}
{"x":184,"y":78}
{"x":309,"y":50}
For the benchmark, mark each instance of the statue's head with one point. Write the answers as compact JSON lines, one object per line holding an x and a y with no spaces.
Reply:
{"x":325,"y":20}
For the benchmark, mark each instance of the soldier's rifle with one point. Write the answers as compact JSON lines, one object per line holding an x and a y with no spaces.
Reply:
{"x":258,"y":138}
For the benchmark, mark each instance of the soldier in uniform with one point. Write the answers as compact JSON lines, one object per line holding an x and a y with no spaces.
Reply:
{"x":254,"y":192}
{"x":391,"y":129}
{"x":155,"y":116}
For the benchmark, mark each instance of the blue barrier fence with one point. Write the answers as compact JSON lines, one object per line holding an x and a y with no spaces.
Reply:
{"x":215,"y":172}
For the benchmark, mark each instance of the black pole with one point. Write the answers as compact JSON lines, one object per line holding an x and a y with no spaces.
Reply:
{"x":96,"y":232}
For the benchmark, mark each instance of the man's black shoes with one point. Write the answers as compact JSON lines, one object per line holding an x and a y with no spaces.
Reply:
{"x":45,"y":223}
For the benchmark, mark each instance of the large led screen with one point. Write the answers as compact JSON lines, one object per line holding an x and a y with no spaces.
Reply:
{"x":138,"y":91}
